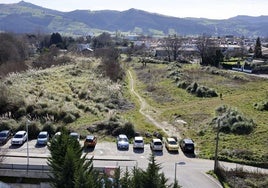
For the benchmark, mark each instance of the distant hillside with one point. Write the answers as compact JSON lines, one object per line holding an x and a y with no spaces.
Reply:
{"x":25,"y":17}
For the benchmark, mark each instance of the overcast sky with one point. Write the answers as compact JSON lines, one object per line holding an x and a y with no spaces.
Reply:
{"x":215,"y":9}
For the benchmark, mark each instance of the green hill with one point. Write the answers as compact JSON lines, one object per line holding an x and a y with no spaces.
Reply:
{"x":25,"y":17}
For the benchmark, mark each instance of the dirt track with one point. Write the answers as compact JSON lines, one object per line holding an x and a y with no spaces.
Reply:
{"x":149,"y":112}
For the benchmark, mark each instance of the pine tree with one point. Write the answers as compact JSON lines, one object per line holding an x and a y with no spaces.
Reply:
{"x":257,"y":49}
{"x":68,"y":167}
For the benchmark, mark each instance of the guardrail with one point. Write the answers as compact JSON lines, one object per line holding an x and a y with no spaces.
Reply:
{"x":25,"y":167}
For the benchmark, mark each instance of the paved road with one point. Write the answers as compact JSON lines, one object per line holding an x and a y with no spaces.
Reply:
{"x":190,"y":174}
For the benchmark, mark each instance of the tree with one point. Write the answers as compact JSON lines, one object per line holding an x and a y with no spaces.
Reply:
{"x":110,"y":65}
{"x":68,"y":167}
{"x":13,"y":52}
{"x":209,"y":52}
{"x":172,"y":44}
{"x":257,"y":49}
{"x":102,"y":41}
{"x":56,"y":39}
{"x":151,"y":177}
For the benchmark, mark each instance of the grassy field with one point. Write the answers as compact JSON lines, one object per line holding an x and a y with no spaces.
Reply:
{"x":78,"y":97}
{"x":239,"y":92}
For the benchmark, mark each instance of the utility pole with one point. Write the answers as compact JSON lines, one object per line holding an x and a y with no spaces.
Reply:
{"x":216,"y":161}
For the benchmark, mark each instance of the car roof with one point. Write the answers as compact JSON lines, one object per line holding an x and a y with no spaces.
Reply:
{"x":122,"y":136}
{"x":5,"y":131}
{"x":43,"y":132}
{"x":170,"y":139}
{"x":188,"y":141}
{"x":156,"y":140}
{"x":20,"y":132}
{"x":74,"y":133}
{"x":138,"y":138}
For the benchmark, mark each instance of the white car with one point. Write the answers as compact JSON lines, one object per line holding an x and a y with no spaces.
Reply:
{"x":138,"y":142}
{"x":19,"y":138}
{"x":122,"y":142}
{"x":75,"y":135}
{"x":156,"y":145}
{"x":42,"y":138}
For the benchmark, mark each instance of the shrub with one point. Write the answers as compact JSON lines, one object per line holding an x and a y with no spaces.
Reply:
{"x":69,"y":118}
{"x":192,"y":87}
{"x":129,"y":129}
{"x":49,"y":127}
{"x":261,"y":106}
{"x":33,"y":129}
{"x":20,"y":112}
{"x":8,"y":124}
{"x":242,"y":127}
{"x":182,"y":84}
{"x":233,"y":122}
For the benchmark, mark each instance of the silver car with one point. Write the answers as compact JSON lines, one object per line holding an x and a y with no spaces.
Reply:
{"x":156,"y":145}
{"x":42,"y":138}
{"x":138,"y":142}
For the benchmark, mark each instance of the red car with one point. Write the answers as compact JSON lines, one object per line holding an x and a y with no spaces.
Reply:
{"x":90,"y":141}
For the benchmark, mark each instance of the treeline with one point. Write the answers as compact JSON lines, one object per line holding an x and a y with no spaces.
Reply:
{"x":13,"y":53}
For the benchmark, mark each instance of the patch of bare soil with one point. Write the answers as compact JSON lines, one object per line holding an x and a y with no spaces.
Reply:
{"x":150,"y":112}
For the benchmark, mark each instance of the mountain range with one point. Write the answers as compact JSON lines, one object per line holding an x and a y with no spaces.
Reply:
{"x":25,"y":17}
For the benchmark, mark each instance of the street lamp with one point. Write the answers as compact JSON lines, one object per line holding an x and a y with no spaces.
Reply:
{"x":27,"y":125}
{"x":178,"y":163}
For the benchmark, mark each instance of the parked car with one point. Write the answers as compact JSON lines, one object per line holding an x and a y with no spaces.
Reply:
{"x":171,"y":144}
{"x":19,"y":138}
{"x":122,"y":142}
{"x":75,"y":135}
{"x":156,"y":144}
{"x":57,"y":134}
{"x":187,"y":145}
{"x":5,"y":135}
{"x":42,"y":138}
{"x":138,"y":142}
{"x":90,"y":141}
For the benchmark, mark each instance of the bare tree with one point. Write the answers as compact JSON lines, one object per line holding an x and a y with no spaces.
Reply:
{"x":208,"y":51}
{"x":172,"y":45}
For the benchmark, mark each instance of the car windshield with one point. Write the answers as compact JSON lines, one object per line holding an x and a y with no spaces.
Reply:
{"x":123,"y":139}
{"x":158,"y":143}
{"x":3,"y":134}
{"x":89,"y":139}
{"x":138,"y":141}
{"x":189,"y":145}
{"x":172,"y":142}
{"x":18,"y":136}
{"x":42,"y":136}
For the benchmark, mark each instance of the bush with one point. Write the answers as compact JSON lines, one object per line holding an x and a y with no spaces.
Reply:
{"x":232,"y":121}
{"x":69,"y":118}
{"x":8,"y":124}
{"x":182,"y":84}
{"x":50,"y":128}
{"x":20,"y":112}
{"x":129,"y":129}
{"x":242,"y":127}
{"x":33,"y":129}
{"x":261,"y":106}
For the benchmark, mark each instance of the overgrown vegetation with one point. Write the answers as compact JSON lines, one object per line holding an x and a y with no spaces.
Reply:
{"x":184,"y":82}
{"x":238,"y":91}
{"x":239,"y":177}
{"x":229,"y":120}
{"x":261,"y":106}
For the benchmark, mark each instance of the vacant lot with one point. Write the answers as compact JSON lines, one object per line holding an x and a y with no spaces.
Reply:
{"x":238,"y":91}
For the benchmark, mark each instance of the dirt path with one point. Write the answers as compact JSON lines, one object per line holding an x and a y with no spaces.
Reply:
{"x":148,"y":111}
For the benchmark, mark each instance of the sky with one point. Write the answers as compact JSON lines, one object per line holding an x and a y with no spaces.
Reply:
{"x":214,"y":9}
